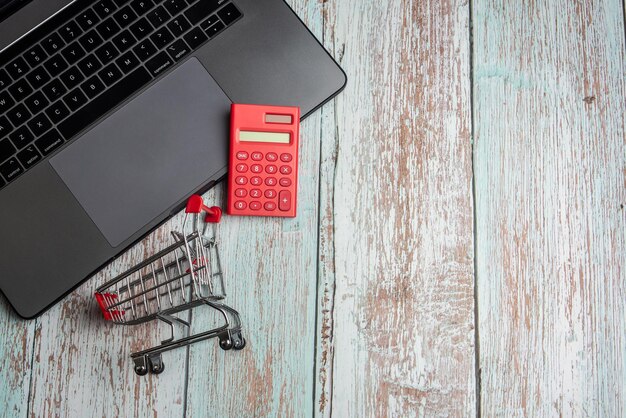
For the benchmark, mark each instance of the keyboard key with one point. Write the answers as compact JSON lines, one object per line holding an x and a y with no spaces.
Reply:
{"x":120,"y":3}
{"x":36,"y":55}
{"x":5,"y":126}
{"x":29,"y":157}
{"x":229,"y":14}
{"x":21,"y":137}
{"x":145,"y":49}
{"x":285,"y":182}
{"x":108,"y":28}
{"x":270,"y":206}
{"x":55,"y":65}
{"x":53,"y":43}
{"x":20,"y":89}
{"x":110,"y":74}
{"x":70,"y":31}
{"x":179,"y":26}
{"x":285,"y":157}
{"x":87,"y":19}
{"x":6,"y":101}
{"x":212,"y":20}
{"x":90,"y":40}
{"x":124,"y":40}
{"x":39,"y":124}
{"x":162,"y":37}
{"x":38,"y":77}
{"x":73,"y":53}
{"x":75,"y":99}
{"x":141,"y":28}
{"x":18,"y":115}
{"x":178,"y":50}
{"x":125,"y":16}
{"x":271,"y":169}
{"x":103,"y":103}
{"x":54,"y":89}
{"x":6,"y":149}
{"x":256,"y":193}
{"x":141,"y":7}
{"x":284,"y":200}
{"x":241,"y":180}
{"x":127,"y":62}
{"x":158,"y":16}
{"x":257,"y":156}
{"x":89,"y":65}
{"x":104,"y":8}
{"x":107,"y":53}
{"x":57,"y":112}
{"x":11,"y":169}
{"x":255,"y":205}
{"x":215,"y":29}
{"x":5,"y":80}
{"x":49,"y":142}
{"x":256,"y":181}
{"x":17,"y":68}
{"x":271,"y":181}
{"x":72,"y":77}
{"x":270,"y":193}
{"x":241,"y":168}
{"x":195,"y":38}
{"x":271,"y":156}
{"x":285,"y":170}
{"x":199,"y":11}
{"x":37,"y":102}
{"x":92,"y":87}
{"x":241,"y":205}
{"x":242,"y":155}
{"x":159,"y":63}
{"x":175,"y":6}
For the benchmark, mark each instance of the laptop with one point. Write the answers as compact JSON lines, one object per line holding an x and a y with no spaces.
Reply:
{"x":113,"y":112}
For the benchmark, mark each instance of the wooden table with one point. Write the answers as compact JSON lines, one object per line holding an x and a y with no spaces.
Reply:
{"x":460,"y":246}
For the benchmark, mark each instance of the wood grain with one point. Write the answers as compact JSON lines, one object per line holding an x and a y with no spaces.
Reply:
{"x":395,"y":329}
{"x":550,"y":164}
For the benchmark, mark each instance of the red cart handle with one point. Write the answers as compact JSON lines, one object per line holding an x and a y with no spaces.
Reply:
{"x":195,"y":204}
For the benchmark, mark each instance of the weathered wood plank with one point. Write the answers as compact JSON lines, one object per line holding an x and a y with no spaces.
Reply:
{"x":270,"y":267}
{"x":396,"y":324}
{"x":550,"y":158}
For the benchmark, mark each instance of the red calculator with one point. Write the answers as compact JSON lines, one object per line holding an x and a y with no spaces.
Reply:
{"x":263,"y":162}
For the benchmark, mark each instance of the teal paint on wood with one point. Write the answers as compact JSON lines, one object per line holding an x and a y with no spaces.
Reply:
{"x":550,"y":164}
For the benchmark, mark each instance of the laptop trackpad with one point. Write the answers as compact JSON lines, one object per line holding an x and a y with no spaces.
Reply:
{"x":153,"y":152}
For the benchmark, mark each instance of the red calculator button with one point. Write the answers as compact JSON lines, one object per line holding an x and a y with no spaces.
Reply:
{"x":271,"y":169}
{"x":285,"y":182}
{"x":257,"y":156}
{"x":270,"y":206}
{"x":270,"y":193}
{"x":284,"y":200}
{"x":241,"y":180}
{"x":240,"y":204}
{"x":285,"y":158}
{"x":241,"y":168}
{"x":242,"y":155}
{"x":255,"y":193}
{"x":271,"y":156}
{"x":271,"y":181}
{"x":285,"y":169}
{"x":255,"y":205}
{"x":256,"y":181}
{"x":256,"y":168}
{"x":241,"y":192}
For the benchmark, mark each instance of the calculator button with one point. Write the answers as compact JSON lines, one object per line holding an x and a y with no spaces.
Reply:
{"x":256,"y":181}
{"x":241,"y":180}
{"x":256,"y":168}
{"x":257,"y":156}
{"x":271,"y":156}
{"x":285,"y":169}
{"x":271,"y":169}
{"x":284,"y":200}
{"x":271,"y":181}
{"x":255,"y":193}
{"x":242,"y":155}
{"x":285,"y":158}
{"x":255,"y":205}
{"x":241,"y":168}
{"x":241,"y":192}
{"x":240,"y":204}
{"x":285,"y":182}
{"x":270,"y":193}
{"x":270,"y":206}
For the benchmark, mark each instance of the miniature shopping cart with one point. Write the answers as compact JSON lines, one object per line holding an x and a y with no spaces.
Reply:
{"x":184,"y":276}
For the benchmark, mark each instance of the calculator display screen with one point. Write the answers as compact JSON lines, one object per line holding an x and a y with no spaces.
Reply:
{"x":273,"y":137}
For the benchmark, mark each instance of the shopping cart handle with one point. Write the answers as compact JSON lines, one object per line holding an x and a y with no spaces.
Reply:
{"x":195,"y":204}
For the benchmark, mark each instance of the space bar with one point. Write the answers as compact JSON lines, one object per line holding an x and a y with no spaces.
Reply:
{"x":85,"y":116}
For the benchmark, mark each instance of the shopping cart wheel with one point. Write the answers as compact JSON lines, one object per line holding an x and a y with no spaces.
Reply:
{"x":156,"y":364}
{"x":226,"y":343}
{"x":140,"y":366}
{"x":238,"y":341}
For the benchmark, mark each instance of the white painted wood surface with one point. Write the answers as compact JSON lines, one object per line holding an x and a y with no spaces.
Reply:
{"x":364,"y":304}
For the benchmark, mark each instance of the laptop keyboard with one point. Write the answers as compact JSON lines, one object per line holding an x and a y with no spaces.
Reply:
{"x":77,"y":66}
